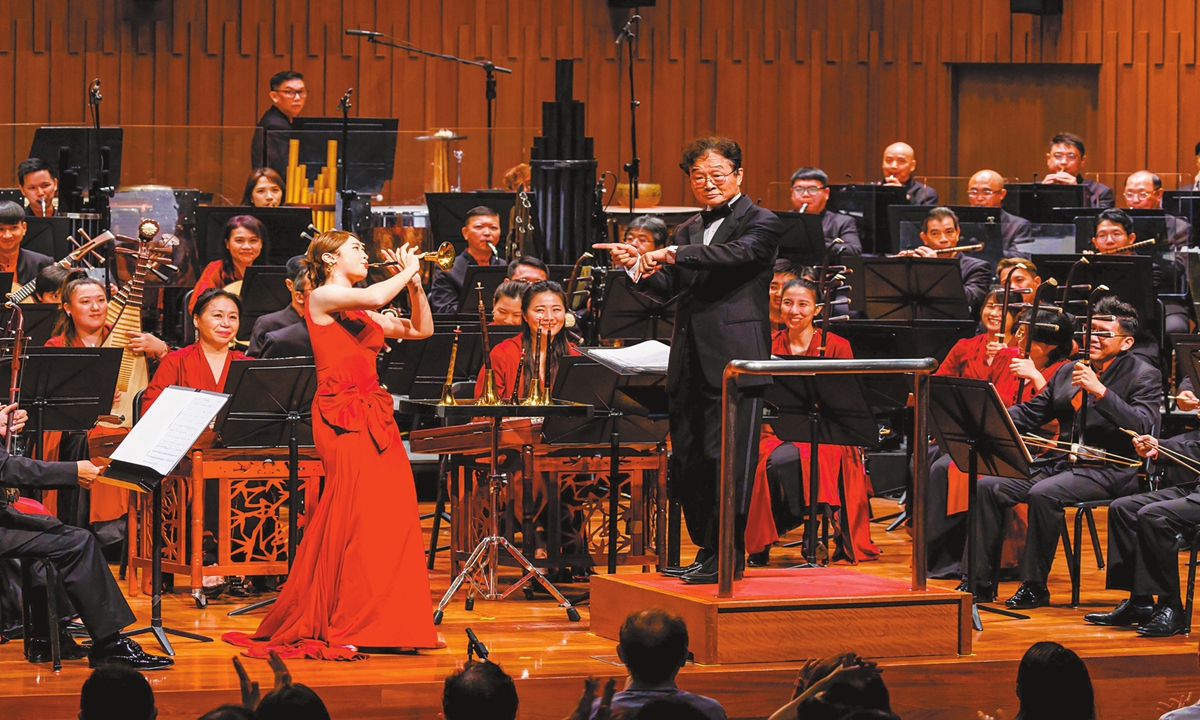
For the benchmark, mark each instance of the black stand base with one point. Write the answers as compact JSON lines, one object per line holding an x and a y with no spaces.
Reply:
{"x":976,"y":607}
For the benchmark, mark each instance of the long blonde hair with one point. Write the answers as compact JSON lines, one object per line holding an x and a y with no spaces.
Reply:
{"x":327,"y":242}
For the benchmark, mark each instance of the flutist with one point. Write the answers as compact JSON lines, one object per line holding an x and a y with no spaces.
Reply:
{"x":1113,"y":389}
{"x":940,"y":232}
{"x":1143,"y":558}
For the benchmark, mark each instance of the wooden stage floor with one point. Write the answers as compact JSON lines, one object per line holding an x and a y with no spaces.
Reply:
{"x":549,"y":656}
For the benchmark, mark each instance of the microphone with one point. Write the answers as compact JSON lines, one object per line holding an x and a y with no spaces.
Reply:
{"x":627,"y":32}
{"x":474,"y":645}
{"x":344,"y":103}
{"x":364,"y":33}
{"x":94,"y":97}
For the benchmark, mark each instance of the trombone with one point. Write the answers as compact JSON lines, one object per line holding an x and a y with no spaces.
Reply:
{"x":443,"y":256}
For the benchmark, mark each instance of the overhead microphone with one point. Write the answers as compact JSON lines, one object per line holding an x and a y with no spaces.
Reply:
{"x":627,"y":32}
{"x":363,"y":33}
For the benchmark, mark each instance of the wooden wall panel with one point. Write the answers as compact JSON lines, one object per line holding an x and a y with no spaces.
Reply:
{"x":821,"y":82}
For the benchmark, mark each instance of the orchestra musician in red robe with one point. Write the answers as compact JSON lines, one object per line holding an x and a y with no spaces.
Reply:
{"x":244,"y":244}
{"x":798,"y":306}
{"x":543,"y":306}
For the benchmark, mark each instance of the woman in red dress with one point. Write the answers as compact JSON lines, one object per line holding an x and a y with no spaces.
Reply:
{"x":972,"y":357}
{"x":245,"y":244}
{"x":358,"y":582}
{"x":543,"y":309}
{"x":798,"y":305}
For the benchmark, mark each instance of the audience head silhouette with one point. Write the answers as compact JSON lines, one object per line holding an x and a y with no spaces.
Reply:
{"x":1053,"y":684}
{"x":114,"y":692}
{"x":669,"y":708}
{"x":480,"y":691}
{"x":292,"y":702}
{"x":654,"y":645}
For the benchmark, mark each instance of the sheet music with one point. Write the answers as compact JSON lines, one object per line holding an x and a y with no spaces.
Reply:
{"x":167,"y":431}
{"x":650,"y":356}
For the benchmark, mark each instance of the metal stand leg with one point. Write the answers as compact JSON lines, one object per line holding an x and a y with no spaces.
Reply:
{"x":972,"y":524}
{"x":485,"y":559}
{"x":156,"y":624}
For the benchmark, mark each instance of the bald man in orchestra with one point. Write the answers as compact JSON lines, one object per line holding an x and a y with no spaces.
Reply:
{"x":899,"y":163}
{"x":1144,"y":191}
{"x":1065,"y":162}
{"x":986,"y":189}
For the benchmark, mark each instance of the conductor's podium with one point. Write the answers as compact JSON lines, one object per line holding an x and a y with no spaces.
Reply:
{"x":785,"y":615}
{"x":557,"y":496}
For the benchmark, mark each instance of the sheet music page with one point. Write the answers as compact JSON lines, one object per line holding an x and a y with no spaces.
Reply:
{"x":167,"y":431}
{"x":650,"y":356}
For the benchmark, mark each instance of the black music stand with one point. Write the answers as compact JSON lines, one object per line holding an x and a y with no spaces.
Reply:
{"x":490,"y":276}
{"x":868,"y":205}
{"x":486,"y":557}
{"x":979,"y":224}
{"x":49,"y":235}
{"x":448,"y":212}
{"x":264,"y":291}
{"x":39,"y":318}
{"x":49,"y":142}
{"x":67,"y":389}
{"x":1036,"y":201}
{"x":819,"y":409}
{"x":616,"y":417}
{"x":912,"y":288}
{"x":284,"y":226}
{"x":628,"y":314}
{"x":803,"y":239}
{"x":369,"y":149}
{"x":270,"y":406}
{"x":971,"y":423}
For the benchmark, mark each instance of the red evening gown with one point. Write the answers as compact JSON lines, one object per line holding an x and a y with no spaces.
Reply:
{"x":359,"y":578}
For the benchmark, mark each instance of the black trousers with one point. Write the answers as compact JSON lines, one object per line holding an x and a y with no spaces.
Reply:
{"x":695,"y":420}
{"x":85,"y":577}
{"x":1142,"y":530}
{"x":1046,"y":495}
{"x":945,"y":535}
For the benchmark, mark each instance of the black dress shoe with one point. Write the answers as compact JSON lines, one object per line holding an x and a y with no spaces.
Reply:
{"x":707,"y":574}
{"x":37,"y":650}
{"x":984,"y":592}
{"x":124,"y":651}
{"x":680,"y":570}
{"x":1167,"y":621}
{"x":1127,"y":614}
{"x":1029,"y":596}
{"x":759,"y":559}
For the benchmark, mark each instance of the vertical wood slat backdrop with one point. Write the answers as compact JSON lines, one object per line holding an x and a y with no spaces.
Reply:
{"x":824,"y":82}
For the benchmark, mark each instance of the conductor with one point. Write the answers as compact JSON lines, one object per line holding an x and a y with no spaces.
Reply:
{"x":720,"y":268}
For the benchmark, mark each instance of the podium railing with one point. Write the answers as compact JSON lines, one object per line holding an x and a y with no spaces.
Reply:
{"x":920,"y":369}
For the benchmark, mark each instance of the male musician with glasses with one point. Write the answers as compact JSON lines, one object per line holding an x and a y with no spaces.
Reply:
{"x":1092,"y":402}
{"x":1144,"y":191}
{"x":1143,"y":537}
{"x":1115,"y":236}
{"x":720,"y":266}
{"x":939,"y":232}
{"x":986,"y":189}
{"x":288,"y":94}
{"x":810,"y":194}
{"x":1065,"y":162}
{"x":899,"y":163}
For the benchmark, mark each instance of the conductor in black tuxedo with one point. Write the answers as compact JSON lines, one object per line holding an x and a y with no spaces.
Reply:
{"x":83,"y":576}
{"x":720,"y":267}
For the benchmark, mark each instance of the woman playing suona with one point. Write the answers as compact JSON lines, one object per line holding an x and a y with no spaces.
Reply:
{"x":358,"y":582}
{"x":798,"y":306}
{"x":245,"y":244}
{"x":543,"y":311}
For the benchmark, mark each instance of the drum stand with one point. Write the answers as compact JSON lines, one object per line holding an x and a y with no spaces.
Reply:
{"x":485,"y":560}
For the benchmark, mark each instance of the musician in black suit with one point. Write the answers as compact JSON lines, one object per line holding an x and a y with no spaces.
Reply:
{"x":84,"y":578}
{"x":1116,"y":391}
{"x":899,"y":163}
{"x":940,"y":230}
{"x":269,"y":148}
{"x":1065,"y":162}
{"x":39,"y":185}
{"x":298,"y":287}
{"x":810,"y":194}
{"x":24,"y":264}
{"x":986,"y":189}
{"x":1144,"y":191}
{"x":720,"y":267}
{"x":290,"y":341}
{"x":481,"y":230}
{"x":1143,"y":555}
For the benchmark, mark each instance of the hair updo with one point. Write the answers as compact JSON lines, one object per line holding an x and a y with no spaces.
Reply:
{"x":327,"y":242}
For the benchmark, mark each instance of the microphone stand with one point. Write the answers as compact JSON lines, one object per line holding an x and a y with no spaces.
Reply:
{"x":490,"y":88}
{"x":632,"y":167}
{"x":99,"y":192}
{"x":348,"y":195}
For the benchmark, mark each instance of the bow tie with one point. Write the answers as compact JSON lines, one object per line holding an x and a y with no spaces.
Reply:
{"x":711,"y":216}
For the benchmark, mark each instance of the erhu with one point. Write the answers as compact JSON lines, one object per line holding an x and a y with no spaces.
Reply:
{"x":448,"y":388}
{"x":1035,"y":307}
{"x":16,"y":327}
{"x":488,"y":397}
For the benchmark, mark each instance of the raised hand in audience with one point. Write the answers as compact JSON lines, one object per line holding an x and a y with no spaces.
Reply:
{"x":583,"y":709}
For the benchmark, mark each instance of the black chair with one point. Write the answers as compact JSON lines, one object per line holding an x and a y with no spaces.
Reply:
{"x":51,"y":607}
{"x":1074,"y":548}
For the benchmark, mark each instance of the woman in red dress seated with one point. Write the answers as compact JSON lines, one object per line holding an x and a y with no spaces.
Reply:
{"x":543,"y":309}
{"x":972,"y":357}
{"x":358,"y":582}
{"x":81,"y":323}
{"x":245,"y":244}
{"x":204,"y":365}
{"x":798,"y":337}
